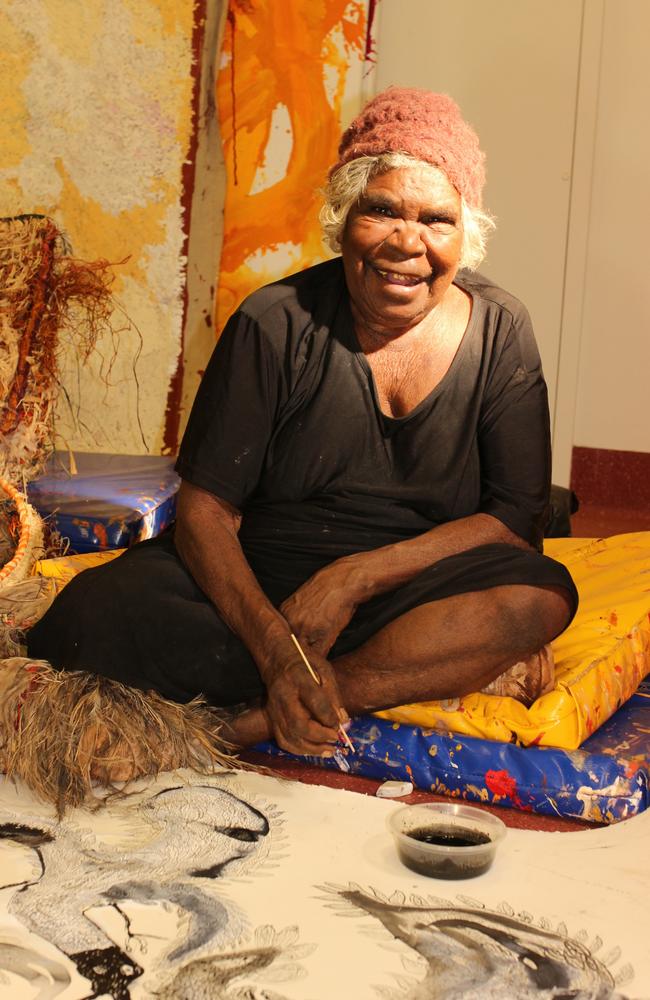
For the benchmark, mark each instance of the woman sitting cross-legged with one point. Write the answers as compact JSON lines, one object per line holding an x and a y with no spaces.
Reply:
{"x":366,"y":466}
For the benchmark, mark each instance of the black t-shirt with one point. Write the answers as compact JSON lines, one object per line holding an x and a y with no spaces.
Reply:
{"x":286,"y":426}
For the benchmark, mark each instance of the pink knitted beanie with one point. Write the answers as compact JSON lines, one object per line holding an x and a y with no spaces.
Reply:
{"x":425,"y":125}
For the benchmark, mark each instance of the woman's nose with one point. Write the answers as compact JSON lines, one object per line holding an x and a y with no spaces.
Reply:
{"x":407,"y":237}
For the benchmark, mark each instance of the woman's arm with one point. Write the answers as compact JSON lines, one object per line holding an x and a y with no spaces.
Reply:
{"x":320,"y":609}
{"x":303,"y":716}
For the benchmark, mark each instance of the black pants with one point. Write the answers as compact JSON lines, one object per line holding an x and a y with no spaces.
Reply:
{"x":141,"y":619}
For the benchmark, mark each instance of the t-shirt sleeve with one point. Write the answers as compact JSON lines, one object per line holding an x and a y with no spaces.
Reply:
{"x":514,"y":435}
{"x":233,"y":415}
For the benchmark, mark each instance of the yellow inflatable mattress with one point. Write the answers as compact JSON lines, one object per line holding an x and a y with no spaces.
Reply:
{"x":600,"y":659}
{"x":63,"y":568}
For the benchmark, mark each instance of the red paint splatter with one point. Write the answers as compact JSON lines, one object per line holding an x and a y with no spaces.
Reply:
{"x":370,"y":52}
{"x":33,"y":669}
{"x":618,"y":668}
{"x":613,"y":618}
{"x":99,"y":531}
{"x":534,"y":743}
{"x":503,"y":784}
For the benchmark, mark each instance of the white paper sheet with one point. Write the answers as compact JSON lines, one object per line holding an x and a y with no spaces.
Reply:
{"x":249,"y":887}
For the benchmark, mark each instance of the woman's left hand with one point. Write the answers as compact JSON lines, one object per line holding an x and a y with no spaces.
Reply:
{"x":321,"y":608}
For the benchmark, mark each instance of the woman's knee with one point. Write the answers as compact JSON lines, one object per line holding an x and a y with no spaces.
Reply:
{"x":539,"y":614}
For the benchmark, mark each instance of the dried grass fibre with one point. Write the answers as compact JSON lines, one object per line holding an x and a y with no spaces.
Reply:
{"x":24,"y":599}
{"x":46,"y":298}
{"x":22,"y":528}
{"x":61,"y":733}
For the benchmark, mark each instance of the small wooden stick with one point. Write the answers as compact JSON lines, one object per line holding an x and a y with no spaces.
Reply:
{"x":306,"y":661}
{"x":342,"y":733}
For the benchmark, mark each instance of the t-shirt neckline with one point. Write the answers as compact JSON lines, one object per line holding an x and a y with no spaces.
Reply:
{"x":394,"y":423}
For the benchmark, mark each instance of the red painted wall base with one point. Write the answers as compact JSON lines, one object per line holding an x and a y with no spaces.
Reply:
{"x":604,"y":476}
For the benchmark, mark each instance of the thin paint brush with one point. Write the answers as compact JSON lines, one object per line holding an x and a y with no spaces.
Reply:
{"x":346,"y":739}
{"x":342,"y":733}
{"x":306,"y":661}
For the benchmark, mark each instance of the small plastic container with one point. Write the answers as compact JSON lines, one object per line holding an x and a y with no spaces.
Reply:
{"x":445,"y":839}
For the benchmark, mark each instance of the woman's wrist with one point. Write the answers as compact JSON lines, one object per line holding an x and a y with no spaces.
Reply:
{"x":360,"y":575}
{"x":272,"y":648}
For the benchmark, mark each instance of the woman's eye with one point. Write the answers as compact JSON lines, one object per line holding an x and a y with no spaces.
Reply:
{"x":438,"y":222}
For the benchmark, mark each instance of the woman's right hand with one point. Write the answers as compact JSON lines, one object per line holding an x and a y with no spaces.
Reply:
{"x":303,"y":715}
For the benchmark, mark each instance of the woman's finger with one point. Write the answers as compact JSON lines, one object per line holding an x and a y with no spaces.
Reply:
{"x":304,"y":748}
{"x":324,"y":702}
{"x":292,"y":714}
{"x":296,"y":741}
{"x":311,"y":731}
{"x":322,"y":706}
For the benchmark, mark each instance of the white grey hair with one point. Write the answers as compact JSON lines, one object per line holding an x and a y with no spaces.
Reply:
{"x":348,"y":184}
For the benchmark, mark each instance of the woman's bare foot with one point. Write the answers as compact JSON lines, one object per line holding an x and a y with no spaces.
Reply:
{"x":247,"y":728}
{"x":527,"y":680}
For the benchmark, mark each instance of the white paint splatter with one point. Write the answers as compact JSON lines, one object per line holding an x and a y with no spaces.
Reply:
{"x":277,"y":153}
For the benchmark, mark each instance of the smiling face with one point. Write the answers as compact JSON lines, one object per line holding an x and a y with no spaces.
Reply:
{"x":401,"y":248}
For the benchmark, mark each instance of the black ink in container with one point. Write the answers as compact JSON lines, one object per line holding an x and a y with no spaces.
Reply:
{"x":446,"y":839}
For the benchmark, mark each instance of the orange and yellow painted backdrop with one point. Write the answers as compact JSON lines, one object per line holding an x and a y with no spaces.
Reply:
{"x":132,"y":172}
{"x":291,"y":76}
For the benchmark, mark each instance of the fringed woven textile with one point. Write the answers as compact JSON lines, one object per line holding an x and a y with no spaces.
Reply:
{"x":46,"y":297}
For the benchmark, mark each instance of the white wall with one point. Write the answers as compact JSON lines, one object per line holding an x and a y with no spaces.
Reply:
{"x":513,"y":68}
{"x":559,"y":95}
{"x":612,"y":401}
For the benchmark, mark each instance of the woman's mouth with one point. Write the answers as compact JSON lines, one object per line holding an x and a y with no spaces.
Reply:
{"x":395,"y":278}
